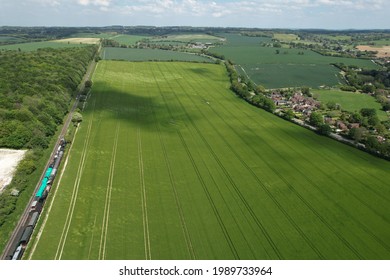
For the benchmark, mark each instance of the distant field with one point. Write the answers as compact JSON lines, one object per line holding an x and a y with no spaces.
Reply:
{"x":150,"y":54}
{"x":204,"y":38}
{"x":80,"y":40}
{"x":26,"y":47}
{"x":383,"y":51}
{"x":94,"y":35}
{"x":7,"y":39}
{"x":285,"y":37}
{"x":350,"y":101}
{"x":336,"y":37}
{"x":169,"y":164}
{"x":127,"y":39}
{"x":286,"y":69}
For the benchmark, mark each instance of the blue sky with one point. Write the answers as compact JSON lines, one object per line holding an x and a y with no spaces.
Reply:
{"x":328,"y":14}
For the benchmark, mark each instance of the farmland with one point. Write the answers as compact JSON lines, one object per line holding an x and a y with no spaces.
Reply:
{"x":350,"y":101}
{"x":282,"y":67}
{"x":188,"y":38}
{"x":170,"y":164}
{"x":150,"y":54}
{"x":80,"y":40}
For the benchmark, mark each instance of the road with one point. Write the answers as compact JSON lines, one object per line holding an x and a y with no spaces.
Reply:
{"x":18,"y":231}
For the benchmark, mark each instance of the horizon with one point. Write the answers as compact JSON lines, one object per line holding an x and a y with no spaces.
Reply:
{"x":193,"y":26}
{"x":271,"y":14}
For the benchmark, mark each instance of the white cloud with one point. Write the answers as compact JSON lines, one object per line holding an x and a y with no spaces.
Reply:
{"x":52,"y":3}
{"x":104,"y":3}
{"x":352,"y":4}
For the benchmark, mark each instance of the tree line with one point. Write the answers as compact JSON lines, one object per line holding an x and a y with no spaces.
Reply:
{"x":35,"y":92}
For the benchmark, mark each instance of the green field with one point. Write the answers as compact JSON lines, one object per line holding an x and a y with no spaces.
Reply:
{"x":187,"y":38}
{"x":169,"y":164}
{"x":350,"y":101}
{"x":150,"y":54}
{"x":127,"y":39}
{"x":286,"y":69}
{"x":27,"y":47}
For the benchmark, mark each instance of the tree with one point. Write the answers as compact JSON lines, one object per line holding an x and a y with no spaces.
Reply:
{"x":356,"y":133}
{"x":88,"y":83}
{"x":368,"y":88}
{"x":324,"y":129}
{"x":368,"y":112}
{"x":355,"y":118}
{"x":269,"y":105}
{"x":331,"y":105}
{"x":77,"y":117}
{"x":260,"y":89}
{"x":306,"y":91}
{"x":372,"y":143}
{"x":289,"y":115}
{"x":380,"y":128}
{"x":373,"y":120}
{"x":316,"y":119}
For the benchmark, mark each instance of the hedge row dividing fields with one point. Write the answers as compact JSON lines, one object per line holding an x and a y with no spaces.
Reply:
{"x":170,"y":164}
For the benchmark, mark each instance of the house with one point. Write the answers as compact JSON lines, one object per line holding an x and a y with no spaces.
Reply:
{"x":341,"y":126}
{"x":354,"y":125}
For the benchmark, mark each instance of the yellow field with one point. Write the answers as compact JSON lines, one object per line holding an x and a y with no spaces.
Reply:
{"x":79,"y":40}
{"x":382,"y":51}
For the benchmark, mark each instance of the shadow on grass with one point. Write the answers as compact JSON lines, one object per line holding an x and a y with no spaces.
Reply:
{"x":142,"y":109}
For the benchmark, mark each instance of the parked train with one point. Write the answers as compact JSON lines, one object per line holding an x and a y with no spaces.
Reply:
{"x":37,"y":203}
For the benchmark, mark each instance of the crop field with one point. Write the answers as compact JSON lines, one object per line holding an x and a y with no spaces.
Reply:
{"x":350,"y":101}
{"x":169,"y":164}
{"x":285,"y":37}
{"x":79,"y":40}
{"x":28,"y":47}
{"x":187,"y":38}
{"x":150,"y":54}
{"x":288,"y":68}
{"x":8,"y":39}
{"x":127,"y":39}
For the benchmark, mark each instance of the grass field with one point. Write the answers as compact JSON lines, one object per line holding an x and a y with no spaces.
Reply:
{"x":127,"y":39}
{"x":350,"y":101}
{"x":187,"y":38}
{"x":27,"y":47}
{"x":170,"y":164}
{"x":150,"y":54}
{"x":286,"y":69}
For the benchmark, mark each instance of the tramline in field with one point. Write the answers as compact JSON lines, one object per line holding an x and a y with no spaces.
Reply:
{"x":169,"y":164}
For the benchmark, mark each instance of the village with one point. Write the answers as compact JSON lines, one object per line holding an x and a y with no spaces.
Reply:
{"x":352,"y":127}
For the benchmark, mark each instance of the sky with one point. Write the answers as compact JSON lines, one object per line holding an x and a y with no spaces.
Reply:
{"x":325,"y":14}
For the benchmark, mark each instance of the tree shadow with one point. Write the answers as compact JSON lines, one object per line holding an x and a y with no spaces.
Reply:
{"x":139,"y":108}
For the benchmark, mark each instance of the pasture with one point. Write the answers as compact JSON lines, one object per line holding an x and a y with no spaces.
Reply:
{"x":282,"y":67}
{"x":150,"y":54}
{"x":169,"y":164}
{"x":350,"y":101}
